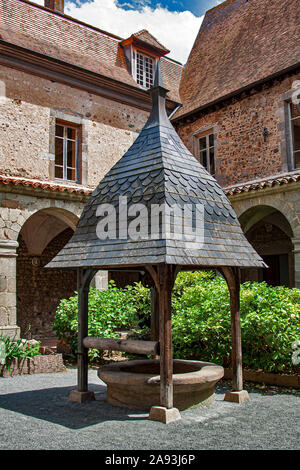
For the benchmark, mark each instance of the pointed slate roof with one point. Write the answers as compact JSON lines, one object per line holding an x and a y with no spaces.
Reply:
{"x":158,"y":169}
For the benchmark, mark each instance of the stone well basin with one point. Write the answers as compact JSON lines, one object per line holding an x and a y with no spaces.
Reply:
{"x":136,"y":384}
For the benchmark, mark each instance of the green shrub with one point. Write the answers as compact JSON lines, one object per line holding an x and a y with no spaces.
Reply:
{"x":270,"y":323}
{"x":108,"y":311}
{"x":270,"y":319}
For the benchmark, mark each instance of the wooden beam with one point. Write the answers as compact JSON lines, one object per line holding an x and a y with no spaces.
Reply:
{"x":115,"y":344}
{"x":232,"y":277}
{"x":154,"y":274}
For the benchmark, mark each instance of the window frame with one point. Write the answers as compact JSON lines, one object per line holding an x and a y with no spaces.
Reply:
{"x":78,"y":157}
{"x":291,"y":129}
{"x":198,"y":152}
{"x":145,"y":56}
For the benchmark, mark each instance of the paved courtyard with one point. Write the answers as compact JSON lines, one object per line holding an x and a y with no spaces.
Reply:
{"x":35,"y":414}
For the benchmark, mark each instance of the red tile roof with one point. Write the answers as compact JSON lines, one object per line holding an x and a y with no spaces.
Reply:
{"x":47,"y":185}
{"x":271,"y":181}
{"x":240,"y":42}
{"x":36,"y":28}
{"x":276,"y":180}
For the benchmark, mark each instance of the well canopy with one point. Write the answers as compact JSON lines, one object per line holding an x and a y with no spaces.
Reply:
{"x":157,"y":177}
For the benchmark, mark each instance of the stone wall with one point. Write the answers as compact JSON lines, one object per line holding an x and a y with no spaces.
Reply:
{"x":39,"y":290}
{"x":26,"y":126}
{"x":283,"y":205}
{"x":242,"y":151}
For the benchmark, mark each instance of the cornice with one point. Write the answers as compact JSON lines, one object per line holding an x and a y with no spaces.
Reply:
{"x":43,"y":66}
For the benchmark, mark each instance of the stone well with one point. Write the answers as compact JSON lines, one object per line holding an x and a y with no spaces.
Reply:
{"x":136,"y":384}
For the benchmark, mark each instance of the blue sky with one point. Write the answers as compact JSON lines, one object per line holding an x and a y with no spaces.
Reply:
{"x":197,"y":7}
{"x":175,"y":23}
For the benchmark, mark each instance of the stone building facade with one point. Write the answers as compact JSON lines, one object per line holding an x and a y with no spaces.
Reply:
{"x":73,"y":99}
{"x":240,"y":117}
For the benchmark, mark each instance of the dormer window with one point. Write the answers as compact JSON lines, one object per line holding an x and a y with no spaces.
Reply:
{"x":144,"y":69}
{"x":142,"y":50}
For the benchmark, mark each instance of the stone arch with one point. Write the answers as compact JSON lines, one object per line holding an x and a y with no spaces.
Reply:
{"x":271,"y":203}
{"x":270,"y":233}
{"x":39,"y":290}
{"x":44,"y":225}
{"x":255,"y":214}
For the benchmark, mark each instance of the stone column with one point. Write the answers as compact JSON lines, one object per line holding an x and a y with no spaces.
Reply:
{"x":8,"y":297}
{"x":296,"y":251}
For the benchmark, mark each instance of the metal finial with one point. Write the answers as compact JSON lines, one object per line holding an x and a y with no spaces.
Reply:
{"x":158,"y":80}
{"x":158,"y":115}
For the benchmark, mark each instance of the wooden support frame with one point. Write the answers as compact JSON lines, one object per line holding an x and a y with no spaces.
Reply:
{"x":166,"y":282}
{"x":163,"y":276}
{"x":84,"y":277}
{"x":232,"y":277}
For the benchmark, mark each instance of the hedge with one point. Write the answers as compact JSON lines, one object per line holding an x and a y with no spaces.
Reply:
{"x":270,"y":319}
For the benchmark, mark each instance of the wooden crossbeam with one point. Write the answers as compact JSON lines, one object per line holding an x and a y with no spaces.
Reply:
{"x":124,"y":345}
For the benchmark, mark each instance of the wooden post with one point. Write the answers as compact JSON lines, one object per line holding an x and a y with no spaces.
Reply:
{"x":164,"y":278}
{"x":82,"y":358}
{"x":165,"y":336}
{"x":84,"y":277}
{"x":232,"y":276}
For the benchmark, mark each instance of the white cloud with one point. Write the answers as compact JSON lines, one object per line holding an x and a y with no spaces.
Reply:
{"x":175,"y":30}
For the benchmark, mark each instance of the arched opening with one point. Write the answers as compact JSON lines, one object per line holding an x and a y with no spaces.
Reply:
{"x":40,"y":290}
{"x":270,"y":233}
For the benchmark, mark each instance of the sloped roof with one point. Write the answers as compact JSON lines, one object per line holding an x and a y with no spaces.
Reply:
{"x":36,"y":28}
{"x":255,"y":185}
{"x":263,"y":183}
{"x":240,"y":42}
{"x":159,"y":169}
{"x":42,"y":184}
{"x":145,"y":37}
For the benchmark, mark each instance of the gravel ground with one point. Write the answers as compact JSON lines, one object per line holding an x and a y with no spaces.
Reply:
{"x":35,"y":414}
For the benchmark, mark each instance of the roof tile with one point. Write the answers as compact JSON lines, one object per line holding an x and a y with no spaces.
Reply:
{"x":58,"y":36}
{"x":239,"y":43}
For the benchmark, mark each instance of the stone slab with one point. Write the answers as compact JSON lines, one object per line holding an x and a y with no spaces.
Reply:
{"x":81,"y":397}
{"x":164,"y":415}
{"x":237,"y":397}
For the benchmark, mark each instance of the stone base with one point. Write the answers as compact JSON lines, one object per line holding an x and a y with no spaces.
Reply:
{"x":237,"y":397}
{"x":81,"y":397}
{"x":164,"y":415}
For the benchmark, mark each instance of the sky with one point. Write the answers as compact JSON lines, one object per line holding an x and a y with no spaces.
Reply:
{"x":175,"y":23}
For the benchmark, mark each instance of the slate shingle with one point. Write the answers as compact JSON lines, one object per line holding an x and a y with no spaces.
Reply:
{"x":158,"y":169}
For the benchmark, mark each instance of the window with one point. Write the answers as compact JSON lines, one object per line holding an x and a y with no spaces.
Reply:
{"x":144,"y":70}
{"x":206,"y":150}
{"x":67,"y":138}
{"x":295,"y":128}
